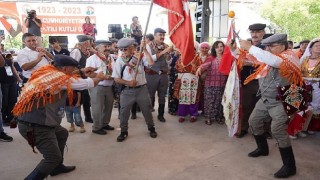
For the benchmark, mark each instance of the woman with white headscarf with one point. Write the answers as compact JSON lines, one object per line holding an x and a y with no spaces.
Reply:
{"x":188,"y":88}
{"x":204,"y":52}
{"x":310,"y":69}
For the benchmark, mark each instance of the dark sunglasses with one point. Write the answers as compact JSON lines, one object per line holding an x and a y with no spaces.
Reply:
{"x":272,"y":45}
{"x":123,"y":49}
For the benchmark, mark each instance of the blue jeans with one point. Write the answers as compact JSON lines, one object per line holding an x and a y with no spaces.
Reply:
{"x":74,"y":115}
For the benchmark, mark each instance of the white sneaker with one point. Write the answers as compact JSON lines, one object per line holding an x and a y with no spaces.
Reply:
{"x":293,"y":137}
{"x":302,"y":134}
{"x":72,"y":129}
{"x":82,"y":130}
{"x":311,"y":132}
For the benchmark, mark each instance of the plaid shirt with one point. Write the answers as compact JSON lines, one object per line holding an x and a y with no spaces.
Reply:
{"x":214,"y":78}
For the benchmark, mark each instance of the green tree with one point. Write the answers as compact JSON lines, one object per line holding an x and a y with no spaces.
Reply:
{"x":300,"y":19}
{"x":16,"y":42}
{"x":45,"y":41}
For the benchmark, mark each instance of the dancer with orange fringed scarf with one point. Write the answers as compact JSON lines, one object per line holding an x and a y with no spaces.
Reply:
{"x":40,"y":109}
{"x":279,"y":68}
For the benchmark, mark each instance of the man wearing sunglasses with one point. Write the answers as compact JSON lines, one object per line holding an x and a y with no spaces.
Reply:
{"x":80,"y":54}
{"x":281,"y":68}
{"x":129,"y":72}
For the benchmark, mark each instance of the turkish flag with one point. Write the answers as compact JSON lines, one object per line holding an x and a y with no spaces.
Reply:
{"x":9,"y":18}
{"x":227,"y":58}
{"x":180,"y":27}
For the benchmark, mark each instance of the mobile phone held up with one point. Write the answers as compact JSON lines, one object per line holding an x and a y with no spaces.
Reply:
{"x":2,"y":33}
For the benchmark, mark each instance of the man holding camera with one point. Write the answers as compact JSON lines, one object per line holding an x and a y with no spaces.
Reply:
{"x":34,"y":24}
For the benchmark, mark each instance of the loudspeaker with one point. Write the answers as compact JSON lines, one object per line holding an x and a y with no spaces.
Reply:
{"x":117,"y":35}
{"x":114,"y":28}
{"x":63,"y":41}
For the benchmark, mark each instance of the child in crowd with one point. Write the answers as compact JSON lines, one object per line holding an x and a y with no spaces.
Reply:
{"x":73,"y":112}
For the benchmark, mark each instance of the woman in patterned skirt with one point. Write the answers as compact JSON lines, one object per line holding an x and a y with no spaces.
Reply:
{"x":186,"y":87}
{"x":310,"y":69}
{"x":172,"y":101}
{"x":214,"y":85}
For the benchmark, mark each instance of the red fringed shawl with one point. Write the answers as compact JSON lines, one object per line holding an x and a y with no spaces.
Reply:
{"x":288,"y":68}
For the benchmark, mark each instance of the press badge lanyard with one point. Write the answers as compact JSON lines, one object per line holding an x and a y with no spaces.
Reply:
{"x":8,"y":70}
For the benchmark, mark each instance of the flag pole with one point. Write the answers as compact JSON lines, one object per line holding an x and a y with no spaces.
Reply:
{"x":143,"y":38}
{"x":10,"y":41}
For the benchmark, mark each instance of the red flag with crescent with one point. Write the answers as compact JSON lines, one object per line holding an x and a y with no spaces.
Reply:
{"x":9,"y":18}
{"x":180,"y":27}
{"x":227,"y":58}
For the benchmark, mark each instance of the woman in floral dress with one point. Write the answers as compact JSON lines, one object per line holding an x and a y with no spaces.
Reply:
{"x":310,"y":69}
{"x":186,"y":87}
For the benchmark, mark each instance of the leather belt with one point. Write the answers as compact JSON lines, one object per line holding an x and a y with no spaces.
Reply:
{"x":152,"y":72}
{"x":136,"y":87}
{"x":33,"y":124}
{"x":104,"y":86}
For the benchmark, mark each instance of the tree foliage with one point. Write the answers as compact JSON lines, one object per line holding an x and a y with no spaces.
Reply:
{"x":16,"y":42}
{"x":300,"y":19}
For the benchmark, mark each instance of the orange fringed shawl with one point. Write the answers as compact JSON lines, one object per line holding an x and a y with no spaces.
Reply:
{"x":43,"y":85}
{"x":289,"y":67}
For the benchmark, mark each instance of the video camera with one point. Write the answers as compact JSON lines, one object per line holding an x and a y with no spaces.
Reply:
{"x":7,"y":55}
{"x":30,"y":14}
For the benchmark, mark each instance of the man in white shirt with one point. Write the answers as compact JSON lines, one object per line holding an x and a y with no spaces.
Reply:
{"x":32,"y":57}
{"x":80,"y":54}
{"x":135,"y":89}
{"x":102,"y":95}
{"x":82,"y":50}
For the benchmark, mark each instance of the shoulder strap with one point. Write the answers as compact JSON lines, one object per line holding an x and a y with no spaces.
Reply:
{"x":73,"y":50}
{"x":122,"y":70}
{"x":124,"y":67}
